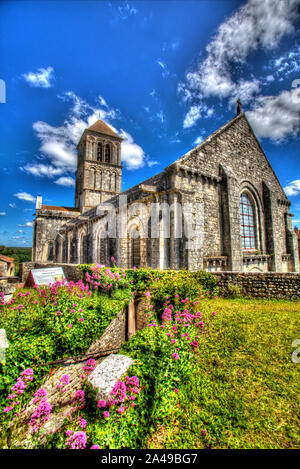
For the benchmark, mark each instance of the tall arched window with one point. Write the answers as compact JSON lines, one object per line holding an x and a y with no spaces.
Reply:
{"x":107,"y":153}
{"x":99,"y":151}
{"x":248,"y":223}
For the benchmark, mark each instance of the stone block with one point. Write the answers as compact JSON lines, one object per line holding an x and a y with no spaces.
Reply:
{"x":107,"y":373}
{"x":3,"y":345}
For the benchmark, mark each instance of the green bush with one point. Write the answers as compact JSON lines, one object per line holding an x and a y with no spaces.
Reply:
{"x":45,"y":325}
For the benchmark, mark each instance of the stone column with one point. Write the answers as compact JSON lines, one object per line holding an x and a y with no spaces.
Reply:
{"x":175,"y":231}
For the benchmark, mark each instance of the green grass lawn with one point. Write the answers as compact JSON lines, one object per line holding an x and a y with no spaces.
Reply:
{"x":245,"y":392}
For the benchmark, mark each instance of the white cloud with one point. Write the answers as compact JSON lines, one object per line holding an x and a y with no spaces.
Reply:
{"x":20,"y":231}
{"x":288,"y":63}
{"x":258,"y":24}
{"x":27,"y":224}
{"x":132,"y":154}
{"x":194,"y":114}
{"x":13,"y":205}
{"x":43,"y":78}
{"x":276,"y":117}
{"x":41,"y":170}
{"x":58,"y":143}
{"x":126,"y":10}
{"x":2,"y":214}
{"x":66,"y":181}
{"x":25,"y":196}
{"x":198,"y":140}
{"x":160,"y":115}
{"x":165,"y":71}
{"x":270,"y":78}
{"x":293,"y":188}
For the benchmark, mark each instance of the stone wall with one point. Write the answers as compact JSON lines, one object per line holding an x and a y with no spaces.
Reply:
{"x":72,"y":271}
{"x":261,"y":285}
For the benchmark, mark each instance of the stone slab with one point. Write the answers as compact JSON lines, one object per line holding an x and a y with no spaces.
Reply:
{"x":107,"y":373}
{"x":3,"y":339}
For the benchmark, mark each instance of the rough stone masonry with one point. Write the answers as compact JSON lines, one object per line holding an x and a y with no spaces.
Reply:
{"x":234,"y":199}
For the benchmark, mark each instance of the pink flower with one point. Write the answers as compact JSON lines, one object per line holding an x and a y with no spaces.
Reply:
{"x":101,"y":404}
{"x":77,"y":441}
{"x":106,"y":414}
{"x":81,"y":319}
{"x":175,"y":356}
{"x":70,"y":325}
{"x":95,"y":447}
{"x":176,"y":390}
{"x":82,"y":423}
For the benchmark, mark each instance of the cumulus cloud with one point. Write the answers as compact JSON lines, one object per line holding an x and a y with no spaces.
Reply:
{"x":58,"y":143}
{"x":40,"y":170}
{"x":293,"y":188}
{"x":66,"y":181}
{"x":25,"y":196}
{"x":13,"y":205}
{"x":132,"y":154}
{"x":43,"y":78}
{"x":276,"y":117}
{"x":260,"y":24}
{"x":2,"y":214}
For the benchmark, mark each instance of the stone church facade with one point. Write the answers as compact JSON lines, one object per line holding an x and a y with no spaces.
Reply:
{"x":224,"y":190}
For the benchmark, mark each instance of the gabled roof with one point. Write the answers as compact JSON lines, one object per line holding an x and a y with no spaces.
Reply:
{"x":6,"y":259}
{"x":60,"y":209}
{"x":215,"y":134}
{"x":102,"y":128}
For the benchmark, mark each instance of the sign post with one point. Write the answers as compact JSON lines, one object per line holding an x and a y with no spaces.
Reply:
{"x":45,"y":276}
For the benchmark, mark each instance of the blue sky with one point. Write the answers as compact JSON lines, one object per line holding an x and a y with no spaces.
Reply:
{"x":164,"y":74}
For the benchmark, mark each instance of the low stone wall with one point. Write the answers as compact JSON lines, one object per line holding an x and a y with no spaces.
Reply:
{"x":262,"y":285}
{"x":141,"y":305}
{"x":72,"y":271}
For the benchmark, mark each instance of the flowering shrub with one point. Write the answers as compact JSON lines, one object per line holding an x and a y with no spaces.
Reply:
{"x":37,"y":324}
{"x":40,"y":415}
{"x":105,"y":279}
{"x":77,"y":440}
{"x":18,"y":388}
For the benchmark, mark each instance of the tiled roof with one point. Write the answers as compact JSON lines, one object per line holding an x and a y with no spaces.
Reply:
{"x":60,"y":209}
{"x":102,"y":128}
{"x":6,"y":259}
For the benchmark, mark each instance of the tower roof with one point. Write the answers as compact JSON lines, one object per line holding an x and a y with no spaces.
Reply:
{"x":102,"y":128}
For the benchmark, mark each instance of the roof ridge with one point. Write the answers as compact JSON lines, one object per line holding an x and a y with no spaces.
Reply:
{"x":101,"y":127}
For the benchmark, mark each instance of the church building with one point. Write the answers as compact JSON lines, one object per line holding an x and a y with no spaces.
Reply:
{"x":219,"y":207}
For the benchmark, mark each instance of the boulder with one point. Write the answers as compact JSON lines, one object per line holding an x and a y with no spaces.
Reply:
{"x":107,"y":373}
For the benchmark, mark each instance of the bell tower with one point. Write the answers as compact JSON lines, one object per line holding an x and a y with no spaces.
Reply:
{"x":99,"y":170}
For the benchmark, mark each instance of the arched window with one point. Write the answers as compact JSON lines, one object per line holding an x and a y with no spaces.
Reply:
{"x":107,"y":153}
{"x":136,"y":250}
{"x":99,"y":152}
{"x":248,"y":224}
{"x":50,"y":254}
